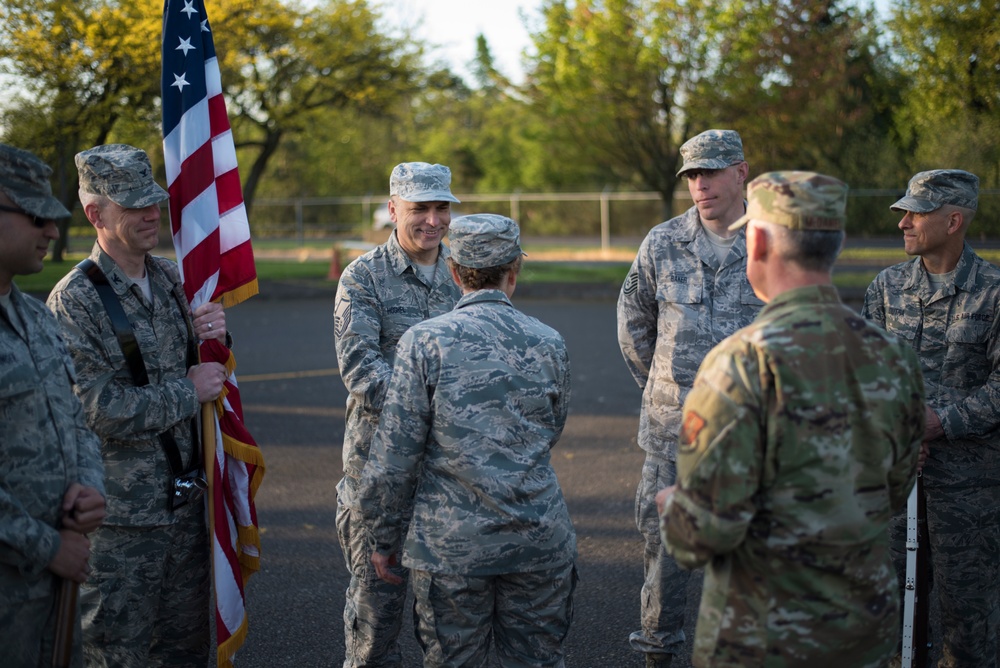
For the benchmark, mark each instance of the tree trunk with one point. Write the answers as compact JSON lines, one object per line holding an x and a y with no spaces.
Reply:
{"x":270,"y":145}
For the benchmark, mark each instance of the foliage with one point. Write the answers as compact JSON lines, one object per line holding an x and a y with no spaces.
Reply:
{"x":90,"y":72}
{"x":619,"y":75}
{"x":950,"y":52}
{"x":325,"y":97}
{"x":85,"y":66}
{"x":798,"y":80}
{"x":283,"y":66}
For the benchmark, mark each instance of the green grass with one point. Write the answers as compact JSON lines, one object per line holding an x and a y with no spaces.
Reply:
{"x":609,"y":273}
{"x":557,"y":272}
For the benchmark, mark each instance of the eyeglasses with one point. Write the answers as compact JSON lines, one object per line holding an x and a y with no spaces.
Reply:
{"x":37,"y":221}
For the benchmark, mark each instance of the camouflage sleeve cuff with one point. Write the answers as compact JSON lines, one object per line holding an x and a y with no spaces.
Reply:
{"x":40,"y":552}
{"x":694,"y":535}
{"x":385,"y":542}
{"x":955,"y":428}
{"x":685,"y":555}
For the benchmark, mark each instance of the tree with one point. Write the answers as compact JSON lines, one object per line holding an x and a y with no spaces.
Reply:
{"x":950,"y":53}
{"x":287,"y":63}
{"x":90,"y":71}
{"x":83,"y":65}
{"x":621,"y":76}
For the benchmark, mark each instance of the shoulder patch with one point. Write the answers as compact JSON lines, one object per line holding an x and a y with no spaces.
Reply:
{"x":693,"y":424}
{"x":342,"y":318}
{"x":631,"y":283}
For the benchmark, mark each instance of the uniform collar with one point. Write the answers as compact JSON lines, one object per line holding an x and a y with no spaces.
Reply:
{"x":120,"y":281}
{"x":965,"y":273}
{"x":482,"y":297}
{"x":399,"y":260}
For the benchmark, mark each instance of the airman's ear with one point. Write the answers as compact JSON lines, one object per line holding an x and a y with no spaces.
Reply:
{"x":94,"y":214}
{"x":956,"y":219}
{"x":757,"y":241}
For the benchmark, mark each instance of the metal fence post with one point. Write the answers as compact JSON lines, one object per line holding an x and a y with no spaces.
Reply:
{"x":605,"y":221}
{"x":300,"y":231}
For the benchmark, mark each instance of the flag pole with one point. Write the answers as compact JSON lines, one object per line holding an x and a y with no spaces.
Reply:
{"x":208,"y":423}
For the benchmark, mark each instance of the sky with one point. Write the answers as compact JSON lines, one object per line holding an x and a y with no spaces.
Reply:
{"x":452,"y":26}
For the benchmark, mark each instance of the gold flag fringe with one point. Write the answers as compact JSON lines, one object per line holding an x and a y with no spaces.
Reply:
{"x":240,"y":294}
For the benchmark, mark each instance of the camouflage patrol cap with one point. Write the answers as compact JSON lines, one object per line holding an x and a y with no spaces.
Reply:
{"x":484,"y":240}
{"x":24,"y":178}
{"x":928,"y":191}
{"x":120,"y":172}
{"x":421,"y":182}
{"x":797,"y":200}
{"x":712,"y":149}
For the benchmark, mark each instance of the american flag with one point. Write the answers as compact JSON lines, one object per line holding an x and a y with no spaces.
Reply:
{"x":212,"y":238}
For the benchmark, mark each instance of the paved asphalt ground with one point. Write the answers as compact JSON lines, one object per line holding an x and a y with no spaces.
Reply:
{"x":294,"y":405}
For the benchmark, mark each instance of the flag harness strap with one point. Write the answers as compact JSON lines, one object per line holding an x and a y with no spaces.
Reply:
{"x":137,"y":368}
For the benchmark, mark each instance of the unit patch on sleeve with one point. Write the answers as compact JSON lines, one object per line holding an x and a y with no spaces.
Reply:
{"x":693,"y":424}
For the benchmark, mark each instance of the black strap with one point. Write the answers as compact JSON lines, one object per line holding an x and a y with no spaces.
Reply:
{"x":133,"y":356}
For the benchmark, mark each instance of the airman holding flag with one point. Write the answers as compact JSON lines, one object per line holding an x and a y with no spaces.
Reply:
{"x":147,"y":602}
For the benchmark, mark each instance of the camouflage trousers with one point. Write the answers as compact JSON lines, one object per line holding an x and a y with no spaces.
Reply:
{"x":527,"y":615}
{"x":28,"y":629}
{"x":963,"y":525}
{"x":663,"y":599}
{"x":373,"y":611}
{"x":147,"y":601}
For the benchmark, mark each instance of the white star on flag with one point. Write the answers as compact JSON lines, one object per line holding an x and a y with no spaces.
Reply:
{"x":188,"y":9}
{"x":180,"y":82}
{"x":185,"y":45}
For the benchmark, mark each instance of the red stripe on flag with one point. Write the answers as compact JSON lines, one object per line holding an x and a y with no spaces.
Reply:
{"x":218,"y":119}
{"x":197,"y":173}
{"x":236,"y":270}
{"x":201,"y":262}
{"x":228,"y":190}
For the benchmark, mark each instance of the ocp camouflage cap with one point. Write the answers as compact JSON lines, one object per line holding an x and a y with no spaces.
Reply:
{"x":421,"y":182}
{"x":24,"y":178}
{"x":928,"y":191}
{"x":483,"y":240}
{"x":120,"y":172}
{"x":797,"y":200}
{"x":712,"y":149}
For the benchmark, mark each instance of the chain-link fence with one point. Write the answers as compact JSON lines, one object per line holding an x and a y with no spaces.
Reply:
{"x":609,"y":218}
{"x":606,"y":215}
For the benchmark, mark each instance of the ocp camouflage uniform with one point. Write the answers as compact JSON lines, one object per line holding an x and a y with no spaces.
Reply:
{"x":45,"y":446}
{"x":677,"y":302}
{"x":477,"y":400}
{"x":380,"y":296}
{"x":150,"y":586}
{"x":955,"y":332}
{"x":800,"y":439}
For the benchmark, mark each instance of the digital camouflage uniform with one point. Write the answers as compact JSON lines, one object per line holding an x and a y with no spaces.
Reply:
{"x":955,"y":332}
{"x":380,"y":296}
{"x":477,"y":400}
{"x":147,"y":602}
{"x":145,"y":556}
{"x":45,"y":446}
{"x":676,"y":303}
{"x":800,"y":439}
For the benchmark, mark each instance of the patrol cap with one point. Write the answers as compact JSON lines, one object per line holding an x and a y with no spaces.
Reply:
{"x":484,"y":240}
{"x":712,"y":149}
{"x":421,"y":182}
{"x":797,"y":200}
{"x":120,"y":172}
{"x":24,"y":178}
{"x":928,"y":191}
